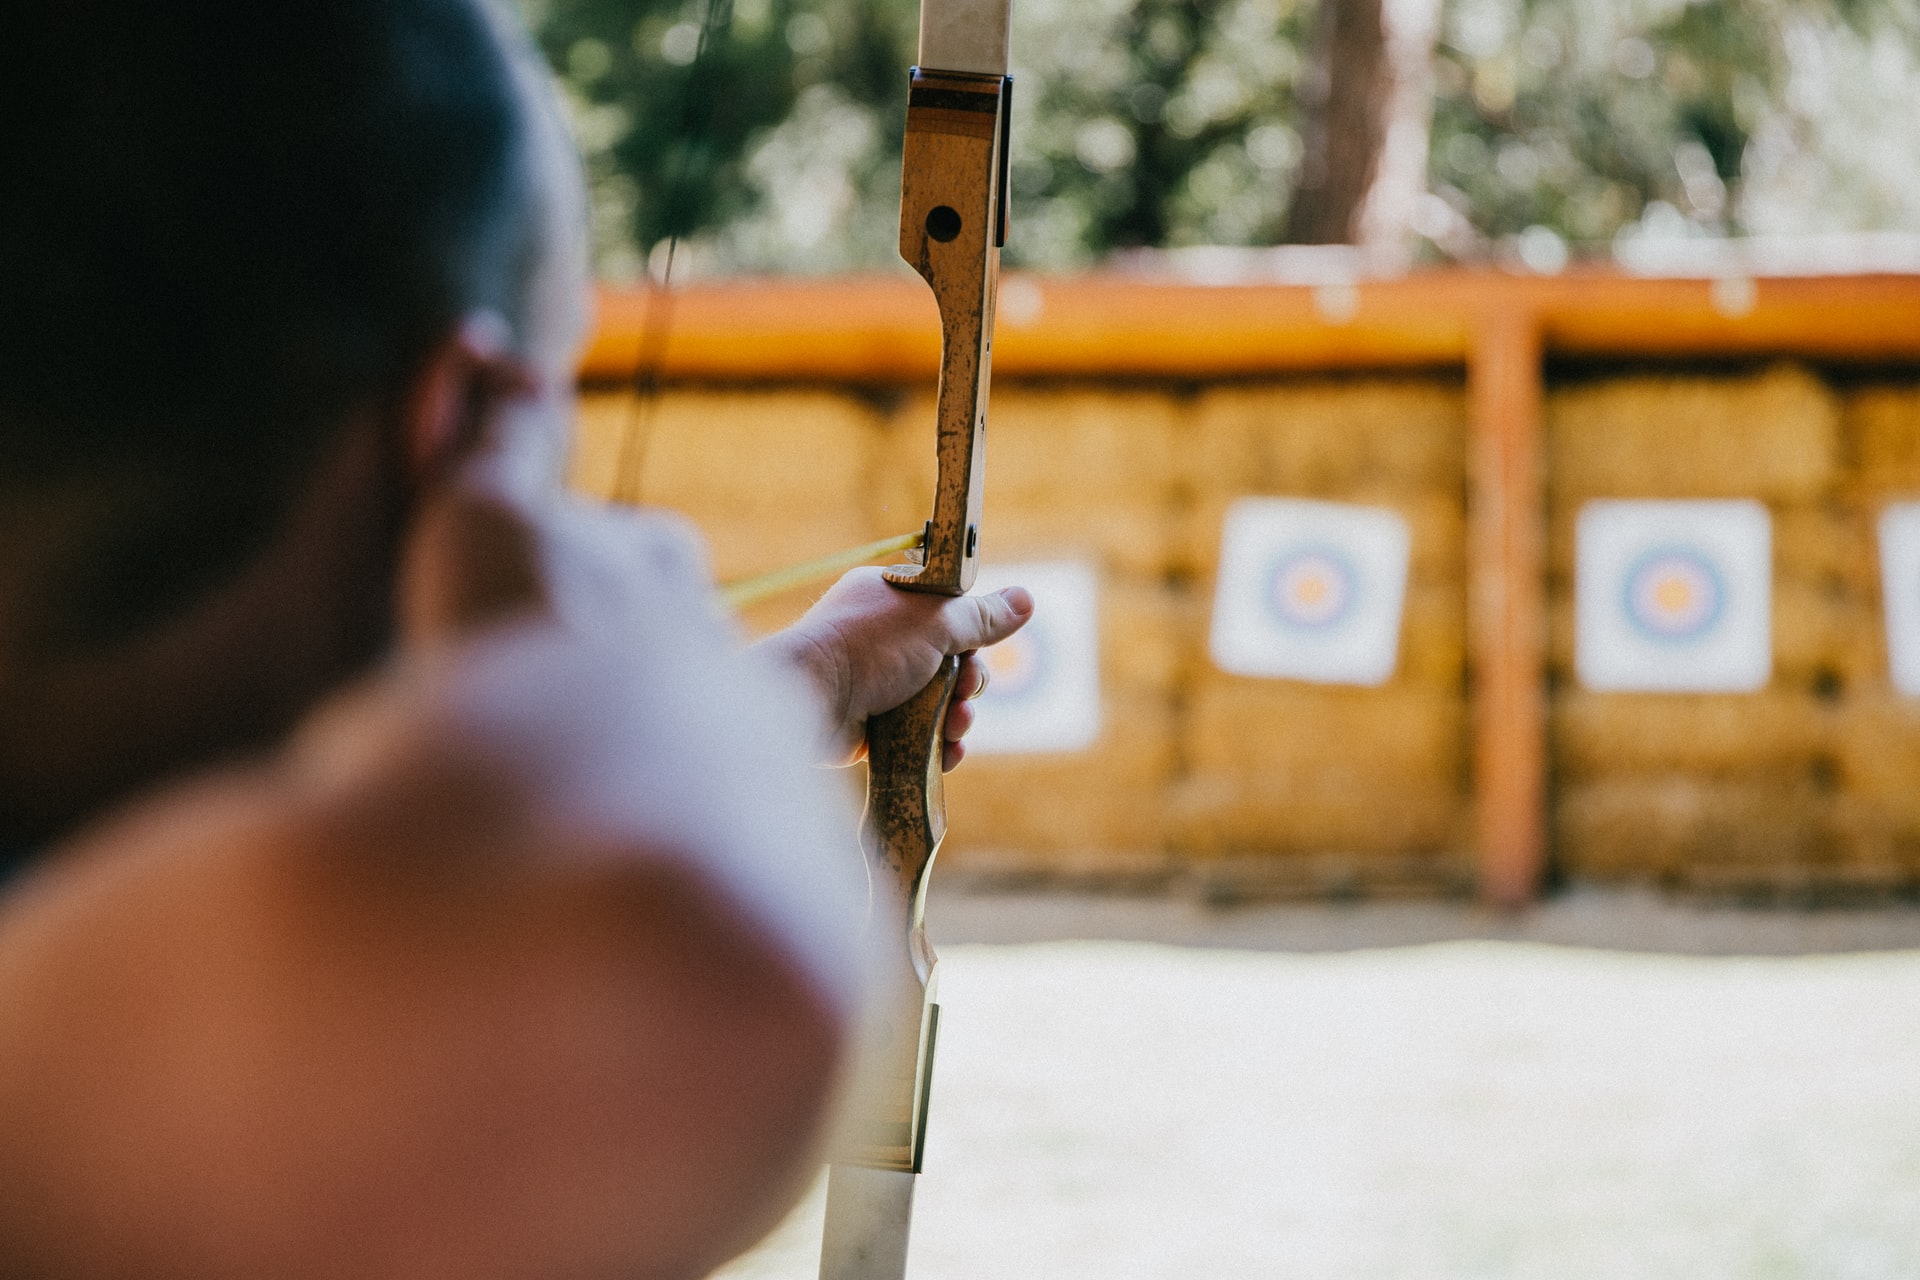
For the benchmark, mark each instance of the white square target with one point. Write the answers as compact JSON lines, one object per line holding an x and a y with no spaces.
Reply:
{"x":1043,"y":685}
{"x":1674,"y":596}
{"x":1310,"y":590}
{"x":1900,"y":592}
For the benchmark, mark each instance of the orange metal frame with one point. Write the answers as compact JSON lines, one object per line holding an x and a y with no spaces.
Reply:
{"x":1497,"y":327}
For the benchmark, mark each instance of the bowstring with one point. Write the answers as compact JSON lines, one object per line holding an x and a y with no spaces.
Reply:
{"x":656,"y":320}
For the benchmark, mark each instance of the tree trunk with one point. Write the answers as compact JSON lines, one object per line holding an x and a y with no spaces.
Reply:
{"x":1343,"y":101}
{"x":1367,"y":104}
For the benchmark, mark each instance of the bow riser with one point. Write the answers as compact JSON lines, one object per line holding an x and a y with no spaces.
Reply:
{"x":952,"y":223}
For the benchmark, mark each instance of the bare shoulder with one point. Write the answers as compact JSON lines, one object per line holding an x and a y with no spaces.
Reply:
{"x":429,"y":985}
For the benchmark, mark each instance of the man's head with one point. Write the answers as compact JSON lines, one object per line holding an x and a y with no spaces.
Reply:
{"x":227,"y":229}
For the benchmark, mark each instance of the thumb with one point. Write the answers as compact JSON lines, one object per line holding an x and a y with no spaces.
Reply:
{"x":974,"y":622}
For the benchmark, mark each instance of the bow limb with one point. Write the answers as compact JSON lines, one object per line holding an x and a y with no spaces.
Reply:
{"x":952,"y":223}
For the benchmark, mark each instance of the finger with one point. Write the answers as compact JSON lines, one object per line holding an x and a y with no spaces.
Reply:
{"x":960,"y":717}
{"x":974,"y":622}
{"x":972,"y":680}
{"x":951,"y":754}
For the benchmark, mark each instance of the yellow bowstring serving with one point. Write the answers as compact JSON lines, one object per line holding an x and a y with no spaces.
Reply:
{"x":745,"y":591}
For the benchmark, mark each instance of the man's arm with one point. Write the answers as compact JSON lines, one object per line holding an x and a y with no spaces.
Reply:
{"x":465,"y":984}
{"x":536,"y":956}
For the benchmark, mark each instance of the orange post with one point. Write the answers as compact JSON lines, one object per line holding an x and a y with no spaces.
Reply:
{"x":1506,"y":513}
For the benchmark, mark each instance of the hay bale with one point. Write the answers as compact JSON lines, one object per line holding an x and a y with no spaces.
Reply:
{"x":1119,"y":446}
{"x":1824,"y":636}
{"x":1876,"y":747}
{"x":1144,"y":636}
{"x":1243,"y":877}
{"x":1882,"y":427}
{"x":1091,"y":472}
{"x":1659,"y":828}
{"x":770,"y":478}
{"x":1806,"y":886}
{"x":1829,"y":542}
{"x":1436,"y":520}
{"x":1867,"y":672}
{"x":1562,"y":640}
{"x":749,"y":540}
{"x":1867,"y":841}
{"x":706,"y":450}
{"x":1775,"y":436}
{"x":1111,"y":797}
{"x":1330,"y":438}
{"x":1261,"y":733}
{"x":1397,"y":444}
{"x":1778,"y":733}
{"x":1433,"y":638}
{"x":1337,"y":809}
{"x":1134,"y":540}
{"x":1562,"y":548}
{"x":1819,"y":541}
{"x":599,"y":438}
{"x":990,"y":867}
{"x":1827,"y":626}
{"x":1275,"y":766}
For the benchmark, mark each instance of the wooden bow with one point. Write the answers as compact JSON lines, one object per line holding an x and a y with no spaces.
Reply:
{"x":953,"y":221}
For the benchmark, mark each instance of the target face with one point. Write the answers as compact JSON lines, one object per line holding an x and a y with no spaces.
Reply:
{"x":1674,"y":596}
{"x":1310,"y":591}
{"x":1043,"y":683}
{"x":1900,"y":590}
{"x":1312,"y":588}
{"x":1016,"y":668}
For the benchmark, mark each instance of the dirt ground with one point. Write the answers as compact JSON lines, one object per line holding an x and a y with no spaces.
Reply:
{"x":1612,"y":920}
{"x":1607,"y":1086}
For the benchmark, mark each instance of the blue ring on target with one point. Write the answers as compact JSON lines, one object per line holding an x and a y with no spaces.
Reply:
{"x":1673,"y":595}
{"x":1311,"y":588}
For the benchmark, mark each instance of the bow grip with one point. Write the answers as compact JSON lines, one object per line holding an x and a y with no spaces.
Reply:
{"x":906,"y":819}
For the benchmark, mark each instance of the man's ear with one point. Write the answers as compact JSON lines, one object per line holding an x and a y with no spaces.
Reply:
{"x":460,"y":382}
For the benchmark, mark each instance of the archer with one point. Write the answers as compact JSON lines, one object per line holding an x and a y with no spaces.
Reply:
{"x":412,"y":875}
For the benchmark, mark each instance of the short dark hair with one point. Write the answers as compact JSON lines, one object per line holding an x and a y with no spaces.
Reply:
{"x":224,"y":224}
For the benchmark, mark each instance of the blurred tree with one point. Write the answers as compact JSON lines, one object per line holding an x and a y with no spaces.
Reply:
{"x":1345,"y":101}
{"x":1368,"y":105}
{"x":674,"y":100}
{"x":1164,"y":122}
{"x":1560,"y":121}
{"x":1168,"y":123}
{"x":1155,"y":123}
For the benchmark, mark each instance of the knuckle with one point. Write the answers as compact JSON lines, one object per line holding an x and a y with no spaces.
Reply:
{"x":982,"y":618}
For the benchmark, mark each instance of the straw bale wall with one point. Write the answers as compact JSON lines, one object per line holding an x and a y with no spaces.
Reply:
{"x":1798,"y":788}
{"x":1251,"y":786}
{"x":1296,"y":787}
{"x":1262,"y":786}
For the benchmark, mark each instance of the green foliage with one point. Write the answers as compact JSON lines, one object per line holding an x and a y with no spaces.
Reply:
{"x":1174,"y":122}
{"x":1559,"y":114}
{"x":1594,"y":121}
{"x":673,"y":100}
{"x":1166,"y":122}
{"x":1154,"y":122}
